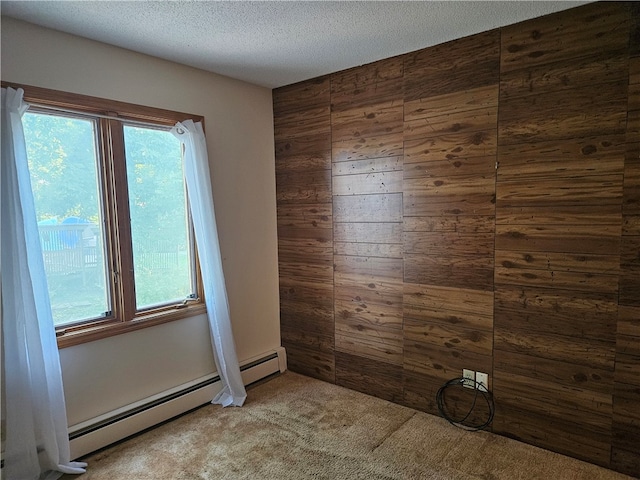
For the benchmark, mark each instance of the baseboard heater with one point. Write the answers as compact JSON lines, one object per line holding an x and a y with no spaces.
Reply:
{"x":119,"y":424}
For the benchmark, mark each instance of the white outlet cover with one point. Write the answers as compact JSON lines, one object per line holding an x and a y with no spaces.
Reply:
{"x":470,"y":375}
{"x":482,"y":380}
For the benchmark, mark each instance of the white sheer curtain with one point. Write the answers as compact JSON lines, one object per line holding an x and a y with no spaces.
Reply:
{"x":198,"y":179}
{"x":37,"y":442}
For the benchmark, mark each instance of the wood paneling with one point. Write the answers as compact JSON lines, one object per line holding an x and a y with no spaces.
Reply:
{"x":561,"y":157}
{"x":302,"y":125}
{"x":625,"y":450}
{"x":475,"y":205}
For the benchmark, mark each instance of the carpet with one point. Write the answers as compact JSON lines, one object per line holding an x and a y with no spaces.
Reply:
{"x":294,"y":427}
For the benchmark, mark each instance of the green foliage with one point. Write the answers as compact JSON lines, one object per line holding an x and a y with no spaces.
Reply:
{"x":63,"y":161}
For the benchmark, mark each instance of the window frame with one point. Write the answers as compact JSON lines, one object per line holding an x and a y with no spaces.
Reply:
{"x":119,"y":249}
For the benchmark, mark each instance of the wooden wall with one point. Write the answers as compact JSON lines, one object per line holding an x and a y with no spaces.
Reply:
{"x":475,"y":205}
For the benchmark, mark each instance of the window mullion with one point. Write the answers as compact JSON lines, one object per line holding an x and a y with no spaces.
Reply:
{"x":123,"y":259}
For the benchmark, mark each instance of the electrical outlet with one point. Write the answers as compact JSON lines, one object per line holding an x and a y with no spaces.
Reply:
{"x":482,"y":381}
{"x":470,"y":376}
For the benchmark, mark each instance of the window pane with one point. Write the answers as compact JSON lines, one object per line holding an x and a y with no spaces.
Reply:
{"x":158,"y":211}
{"x":64,"y":177}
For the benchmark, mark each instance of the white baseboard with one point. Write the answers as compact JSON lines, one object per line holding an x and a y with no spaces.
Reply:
{"x":116,"y":425}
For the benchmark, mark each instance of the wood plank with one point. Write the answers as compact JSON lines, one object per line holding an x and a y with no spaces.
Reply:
{"x":587,"y":112}
{"x":562,"y":215}
{"x":315,"y":216}
{"x":430,"y":166}
{"x":600,"y":154}
{"x":306,"y":272}
{"x":369,"y":343}
{"x":374,"y":233}
{"x":308,"y":250}
{"x":603,"y":67}
{"x":631,"y":202}
{"x":472,"y":195}
{"x":624,"y":461}
{"x":441,"y":243}
{"x":559,"y":435}
{"x":367,"y":268}
{"x":571,"y":34}
{"x":568,"y":262}
{"x":419,"y":391}
{"x":448,"y":336}
{"x":376,"y":165}
{"x":479,"y":120}
{"x":575,"y":239}
{"x":629,"y":321}
{"x":630,"y":266}
{"x":627,"y":365}
{"x":461,"y":64}
{"x":304,"y":162}
{"x":441,"y":362}
{"x":450,"y":223}
{"x":371,"y":377}
{"x":366,"y":148}
{"x":462,"y":101}
{"x":368,"y":208}
{"x":634,"y":69}
{"x":475,"y":273}
{"x":306,"y":147}
{"x":369,"y":121}
{"x":354,"y":287}
{"x":370,"y":94}
{"x":454,"y":149}
{"x":626,"y":405}
{"x":316,"y":295}
{"x":383,"y":250}
{"x":381,"y":322}
{"x":626,"y":438}
{"x":586,"y":273}
{"x":555,"y":373}
{"x":460,"y":300}
{"x":368,"y":183}
{"x":313,"y":121}
{"x":587,"y":408}
{"x":580,"y":351}
{"x":448,"y":305}
{"x":294,"y":335}
{"x":553,"y":311}
{"x":312,"y":363}
{"x":305,"y":317}
{"x":559,"y":189}
{"x":301,"y":96}
{"x":304,"y":187}
{"x":375,"y":72}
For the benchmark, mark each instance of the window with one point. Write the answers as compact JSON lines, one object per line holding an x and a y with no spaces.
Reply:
{"x":111,"y":205}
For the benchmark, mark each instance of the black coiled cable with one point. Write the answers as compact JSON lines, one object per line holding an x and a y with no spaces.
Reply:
{"x":488,"y":397}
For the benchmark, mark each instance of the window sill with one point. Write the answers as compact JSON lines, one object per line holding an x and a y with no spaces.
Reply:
{"x":109,"y":328}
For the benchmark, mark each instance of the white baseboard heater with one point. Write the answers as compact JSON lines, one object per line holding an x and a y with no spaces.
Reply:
{"x":119,"y":424}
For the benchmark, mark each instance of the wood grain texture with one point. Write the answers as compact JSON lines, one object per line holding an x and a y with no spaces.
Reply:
{"x":559,"y":435}
{"x":375,"y":72}
{"x":475,"y":204}
{"x":368,"y":208}
{"x":554,"y":311}
{"x":574,"y":33}
{"x":474,"y":59}
{"x":564,"y":76}
{"x":368,"y":376}
{"x":460,"y":100}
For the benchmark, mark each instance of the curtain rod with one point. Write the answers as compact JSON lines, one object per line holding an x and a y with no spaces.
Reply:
{"x":158,"y":126}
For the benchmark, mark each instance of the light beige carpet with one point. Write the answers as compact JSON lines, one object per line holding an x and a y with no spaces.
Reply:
{"x":294,"y":427}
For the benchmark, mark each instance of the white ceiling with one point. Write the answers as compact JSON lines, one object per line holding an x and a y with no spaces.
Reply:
{"x":275,"y":43}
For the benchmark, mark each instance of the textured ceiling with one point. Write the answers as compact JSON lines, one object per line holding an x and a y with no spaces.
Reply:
{"x":275,"y":43}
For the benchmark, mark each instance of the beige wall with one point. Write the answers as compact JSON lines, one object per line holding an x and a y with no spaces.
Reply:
{"x":104,"y":375}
